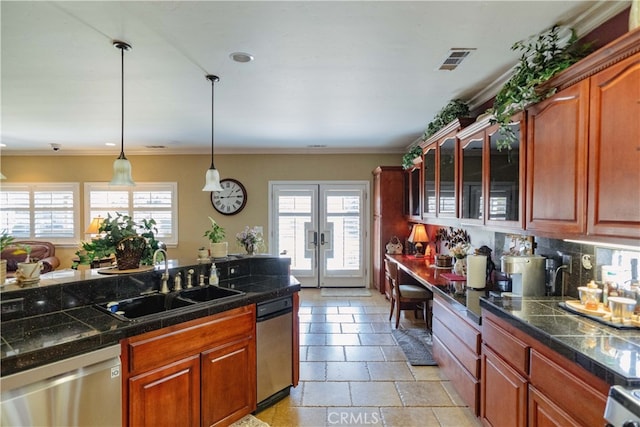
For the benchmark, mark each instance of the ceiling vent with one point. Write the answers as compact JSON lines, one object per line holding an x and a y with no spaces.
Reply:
{"x":156,"y":147}
{"x":455,"y":57}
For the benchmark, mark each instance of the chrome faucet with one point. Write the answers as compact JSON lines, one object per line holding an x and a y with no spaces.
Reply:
{"x":190,"y":278}
{"x":165,"y":276}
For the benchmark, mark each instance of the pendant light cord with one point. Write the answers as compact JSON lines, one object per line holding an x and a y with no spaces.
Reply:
{"x":122,"y":104}
{"x":212,"y":98}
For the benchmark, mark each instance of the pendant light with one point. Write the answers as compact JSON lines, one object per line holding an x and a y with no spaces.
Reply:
{"x":122,"y":166}
{"x":212,"y":180}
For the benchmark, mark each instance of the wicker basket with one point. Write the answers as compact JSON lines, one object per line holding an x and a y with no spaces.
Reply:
{"x":129,"y":252}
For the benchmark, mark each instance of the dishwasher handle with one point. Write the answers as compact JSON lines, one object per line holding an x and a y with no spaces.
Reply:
{"x":269,"y":316}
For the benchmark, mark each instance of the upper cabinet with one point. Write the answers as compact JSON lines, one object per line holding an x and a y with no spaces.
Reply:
{"x":583,"y":152}
{"x":440,"y":172}
{"x":492,"y":178}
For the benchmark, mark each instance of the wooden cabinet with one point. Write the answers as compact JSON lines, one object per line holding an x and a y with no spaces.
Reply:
{"x":201,"y":372}
{"x":526,"y":383}
{"x":614,"y":151}
{"x":583,"y":151}
{"x":492,"y":180}
{"x":557,"y":163}
{"x":388,"y":220}
{"x":456,"y":348}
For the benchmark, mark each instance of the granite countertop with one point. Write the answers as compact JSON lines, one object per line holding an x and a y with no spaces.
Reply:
{"x":70,"y":324}
{"x":609,"y":353}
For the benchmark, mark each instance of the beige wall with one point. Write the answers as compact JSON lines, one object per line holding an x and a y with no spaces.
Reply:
{"x":254,"y":171}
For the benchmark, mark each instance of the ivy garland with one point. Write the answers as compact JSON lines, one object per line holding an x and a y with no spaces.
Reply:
{"x":542,"y":57}
{"x":453,"y":110}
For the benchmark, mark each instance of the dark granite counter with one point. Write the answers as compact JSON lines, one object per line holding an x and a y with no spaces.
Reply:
{"x":57,"y":319}
{"x":609,"y":353}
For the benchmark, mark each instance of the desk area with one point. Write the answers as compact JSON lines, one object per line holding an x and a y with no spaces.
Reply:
{"x":486,"y":345}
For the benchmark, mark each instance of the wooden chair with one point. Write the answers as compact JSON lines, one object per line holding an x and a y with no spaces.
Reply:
{"x":405,"y":296}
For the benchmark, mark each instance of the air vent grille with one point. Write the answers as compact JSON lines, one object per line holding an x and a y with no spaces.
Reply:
{"x":455,"y":57}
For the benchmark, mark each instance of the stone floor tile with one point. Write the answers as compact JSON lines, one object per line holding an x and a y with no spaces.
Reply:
{"x":347,"y":371}
{"x":312,"y":318}
{"x":324,"y":328}
{"x":351,"y":310}
{"x":303,"y":353}
{"x":377,"y":339}
{"x":426,"y":373}
{"x":313,"y":371}
{"x":390,"y":371}
{"x":343,"y":339}
{"x":363,"y":353}
{"x":324,"y":310}
{"x":384,"y":326}
{"x":369,"y":318}
{"x":295,"y":396}
{"x":354,"y":416}
{"x":453,"y":394}
{"x":339,"y":318}
{"x":355,"y":328}
{"x":304,"y":310}
{"x":378,"y":309}
{"x":325,"y":353}
{"x":409,"y":417}
{"x":393,"y":353}
{"x":326,"y":393}
{"x":299,"y":417}
{"x":313,"y":339}
{"x":456,"y":417}
{"x":381,"y":393}
{"x":423,"y":393}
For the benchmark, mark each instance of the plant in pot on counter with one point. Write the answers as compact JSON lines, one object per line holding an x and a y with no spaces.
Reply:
{"x":250,"y":239}
{"x":216,"y":234}
{"x":133,"y":244}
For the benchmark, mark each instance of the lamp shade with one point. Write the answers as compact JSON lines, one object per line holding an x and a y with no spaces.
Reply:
{"x":418,"y":234}
{"x":122,"y":172}
{"x":94,"y":225}
{"x":122,"y":166}
{"x":212,"y":181}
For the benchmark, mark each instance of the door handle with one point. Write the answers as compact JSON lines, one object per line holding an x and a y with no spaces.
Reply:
{"x":315,"y":238}
{"x":322,"y":238}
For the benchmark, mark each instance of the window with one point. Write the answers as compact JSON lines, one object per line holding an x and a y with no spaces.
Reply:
{"x":41,"y":211}
{"x":144,"y":201}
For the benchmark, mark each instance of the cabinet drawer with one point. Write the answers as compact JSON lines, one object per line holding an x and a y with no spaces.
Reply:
{"x":575,"y":396}
{"x":466,"y":333}
{"x":468,"y":359}
{"x":156,"y":348}
{"x":466,"y":385}
{"x":506,"y":345}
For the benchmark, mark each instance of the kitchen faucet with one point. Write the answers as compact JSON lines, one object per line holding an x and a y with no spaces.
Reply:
{"x":165,"y":276}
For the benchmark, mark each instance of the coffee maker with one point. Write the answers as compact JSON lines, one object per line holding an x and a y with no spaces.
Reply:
{"x":526,"y":274}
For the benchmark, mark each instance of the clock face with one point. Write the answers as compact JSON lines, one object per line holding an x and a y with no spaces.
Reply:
{"x":231,"y":199}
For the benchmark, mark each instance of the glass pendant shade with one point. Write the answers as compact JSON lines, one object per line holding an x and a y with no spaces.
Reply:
{"x":122,"y":166}
{"x":212,"y":181}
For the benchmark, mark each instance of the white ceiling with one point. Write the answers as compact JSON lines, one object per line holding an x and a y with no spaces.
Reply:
{"x":353,"y":76}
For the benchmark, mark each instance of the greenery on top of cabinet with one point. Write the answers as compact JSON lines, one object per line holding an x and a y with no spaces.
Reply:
{"x":453,"y":110}
{"x":408,"y":158}
{"x":542,"y":57}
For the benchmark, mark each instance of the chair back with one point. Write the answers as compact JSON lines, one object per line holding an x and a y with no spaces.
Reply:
{"x":391,"y":273}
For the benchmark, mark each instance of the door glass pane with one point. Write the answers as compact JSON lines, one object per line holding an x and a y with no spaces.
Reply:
{"x":472,"y":179}
{"x":429,"y":171}
{"x":294,"y":216}
{"x":447,"y":196}
{"x":504,"y":178}
{"x":343,"y":218}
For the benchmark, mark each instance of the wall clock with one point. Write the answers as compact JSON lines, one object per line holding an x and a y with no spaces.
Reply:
{"x":231,"y":199}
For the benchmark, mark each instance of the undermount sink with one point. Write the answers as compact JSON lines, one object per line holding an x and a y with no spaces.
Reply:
{"x":133,"y":308}
{"x":208,"y":293}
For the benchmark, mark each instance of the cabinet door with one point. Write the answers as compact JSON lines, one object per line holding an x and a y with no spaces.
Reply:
{"x":170,"y":393}
{"x":471,"y":159}
{"x":447,"y":178}
{"x":614,"y":151}
{"x":429,"y":187}
{"x":228,"y":392}
{"x":504,"y":392}
{"x":556,"y":162}
{"x":543,"y":412}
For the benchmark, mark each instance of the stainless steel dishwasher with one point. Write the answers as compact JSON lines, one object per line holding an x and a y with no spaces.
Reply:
{"x":274,"y":350}
{"x":84,"y":390}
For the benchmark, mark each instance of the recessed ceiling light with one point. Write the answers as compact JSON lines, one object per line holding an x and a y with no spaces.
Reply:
{"x":241,"y":57}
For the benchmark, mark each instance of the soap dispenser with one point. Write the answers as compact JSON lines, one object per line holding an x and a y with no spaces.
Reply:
{"x":213,"y":275}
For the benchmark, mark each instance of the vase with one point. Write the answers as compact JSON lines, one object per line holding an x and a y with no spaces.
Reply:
{"x":219,"y":250}
{"x":250,"y":248}
{"x":28,"y":272}
{"x":460,"y":267}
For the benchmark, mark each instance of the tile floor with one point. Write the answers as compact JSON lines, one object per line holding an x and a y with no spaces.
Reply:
{"x":353,"y":373}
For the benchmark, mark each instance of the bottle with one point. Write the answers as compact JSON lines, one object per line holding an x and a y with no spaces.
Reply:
{"x":213,"y":275}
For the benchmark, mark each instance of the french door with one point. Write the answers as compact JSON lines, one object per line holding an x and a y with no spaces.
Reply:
{"x":323,"y":228}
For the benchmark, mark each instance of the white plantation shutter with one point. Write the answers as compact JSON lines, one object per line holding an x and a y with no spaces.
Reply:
{"x":41,"y":211}
{"x":144,"y":201}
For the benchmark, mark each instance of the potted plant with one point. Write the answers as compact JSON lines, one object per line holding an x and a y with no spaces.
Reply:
{"x":28,"y":270}
{"x":5,"y":240}
{"x":412,"y":157}
{"x":455,"y":109}
{"x":542,"y":57}
{"x":219,"y":248}
{"x":131,"y":243}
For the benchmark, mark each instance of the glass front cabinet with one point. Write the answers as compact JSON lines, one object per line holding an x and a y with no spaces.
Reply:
{"x":492,"y":174}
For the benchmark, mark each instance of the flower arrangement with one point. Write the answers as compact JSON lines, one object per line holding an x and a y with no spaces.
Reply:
{"x":459,"y":250}
{"x":250,"y":238}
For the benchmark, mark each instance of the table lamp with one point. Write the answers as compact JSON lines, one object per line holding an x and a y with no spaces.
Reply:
{"x":418,"y":236}
{"x":94,"y":226}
